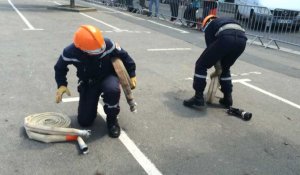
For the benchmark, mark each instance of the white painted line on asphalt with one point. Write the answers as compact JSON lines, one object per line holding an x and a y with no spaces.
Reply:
{"x":57,"y":3}
{"x":189,"y":78}
{"x":270,"y":94}
{"x":70,"y":99}
{"x":233,"y":81}
{"x":113,"y":27}
{"x":244,"y":82}
{"x":126,"y":14}
{"x":275,"y":48}
{"x":169,"y":49}
{"x":116,"y":11}
{"x":147,"y":165}
{"x":153,"y":22}
{"x":173,"y":28}
{"x":143,"y":160}
{"x":127,"y":31}
{"x":240,"y":80}
{"x":258,"y":73}
{"x":30,"y":27}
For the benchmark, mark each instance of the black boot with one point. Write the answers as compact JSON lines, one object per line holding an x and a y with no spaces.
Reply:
{"x":226,"y":100}
{"x":196,"y":101}
{"x":113,"y":127}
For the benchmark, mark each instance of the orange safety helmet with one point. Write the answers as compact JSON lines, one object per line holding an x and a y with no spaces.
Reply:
{"x":206,"y":20}
{"x":89,"y":39}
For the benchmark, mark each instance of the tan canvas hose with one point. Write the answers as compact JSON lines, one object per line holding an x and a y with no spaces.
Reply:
{"x":54,"y":127}
{"x":214,"y":83}
{"x":125,"y":82}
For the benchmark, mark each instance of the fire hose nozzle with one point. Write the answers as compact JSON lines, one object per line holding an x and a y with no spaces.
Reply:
{"x":132,"y":105}
{"x":85,"y":133}
{"x":83,"y":147}
{"x":240,"y":113}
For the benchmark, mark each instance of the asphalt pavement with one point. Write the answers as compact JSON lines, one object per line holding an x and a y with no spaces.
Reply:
{"x":164,"y":137}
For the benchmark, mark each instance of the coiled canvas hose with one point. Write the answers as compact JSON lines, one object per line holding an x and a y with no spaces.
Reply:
{"x":54,"y":127}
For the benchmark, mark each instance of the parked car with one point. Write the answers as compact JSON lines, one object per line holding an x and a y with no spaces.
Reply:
{"x":270,"y":13}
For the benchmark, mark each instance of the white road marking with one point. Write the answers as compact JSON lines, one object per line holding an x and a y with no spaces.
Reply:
{"x":116,"y":11}
{"x":240,"y":80}
{"x":173,"y":28}
{"x":56,"y":3}
{"x":113,"y":27}
{"x":70,"y":99}
{"x":234,"y":75}
{"x":147,"y":165}
{"x":248,"y":73}
{"x":188,"y":78}
{"x":169,"y":49}
{"x":126,"y":31}
{"x":153,"y":22}
{"x":244,"y":82}
{"x":270,"y":94}
{"x":233,"y":81}
{"x":274,"y":47}
{"x":30,"y":27}
{"x":258,"y":73}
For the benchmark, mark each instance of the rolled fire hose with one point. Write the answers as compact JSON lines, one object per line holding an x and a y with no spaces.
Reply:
{"x":54,"y":127}
{"x":125,"y":82}
{"x":214,"y":83}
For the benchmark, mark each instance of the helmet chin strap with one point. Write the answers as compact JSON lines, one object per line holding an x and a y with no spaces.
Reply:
{"x":97,"y":51}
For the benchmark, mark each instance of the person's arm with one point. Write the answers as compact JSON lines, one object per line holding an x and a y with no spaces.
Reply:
{"x":69,"y":56}
{"x":61,"y":70}
{"x":126,"y":59}
{"x":210,"y":33}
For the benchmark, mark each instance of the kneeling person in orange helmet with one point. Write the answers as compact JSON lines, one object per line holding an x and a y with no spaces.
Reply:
{"x":91,"y":54}
{"x":226,"y":41}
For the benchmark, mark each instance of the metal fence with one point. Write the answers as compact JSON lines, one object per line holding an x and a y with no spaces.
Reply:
{"x":266,"y":26}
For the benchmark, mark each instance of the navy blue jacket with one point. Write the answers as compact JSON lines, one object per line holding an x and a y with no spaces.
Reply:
{"x":91,"y":66}
{"x":215,"y":25}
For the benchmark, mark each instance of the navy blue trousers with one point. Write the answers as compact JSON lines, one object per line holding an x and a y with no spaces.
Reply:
{"x":89,"y":97}
{"x":226,"y":49}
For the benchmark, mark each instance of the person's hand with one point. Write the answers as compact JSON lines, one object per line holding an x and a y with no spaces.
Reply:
{"x":133,"y":82}
{"x":60,"y":91}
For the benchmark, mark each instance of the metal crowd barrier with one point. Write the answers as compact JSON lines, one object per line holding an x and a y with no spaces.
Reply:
{"x":279,"y":25}
{"x":261,"y":24}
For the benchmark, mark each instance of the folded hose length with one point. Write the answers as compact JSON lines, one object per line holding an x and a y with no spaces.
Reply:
{"x":54,"y":127}
{"x":125,"y":82}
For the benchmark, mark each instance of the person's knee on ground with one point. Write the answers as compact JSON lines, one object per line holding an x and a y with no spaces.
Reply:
{"x":86,"y":119}
{"x":87,"y":108}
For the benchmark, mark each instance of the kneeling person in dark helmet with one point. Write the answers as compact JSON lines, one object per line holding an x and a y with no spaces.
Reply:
{"x":91,"y":54}
{"x":226,"y":41}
